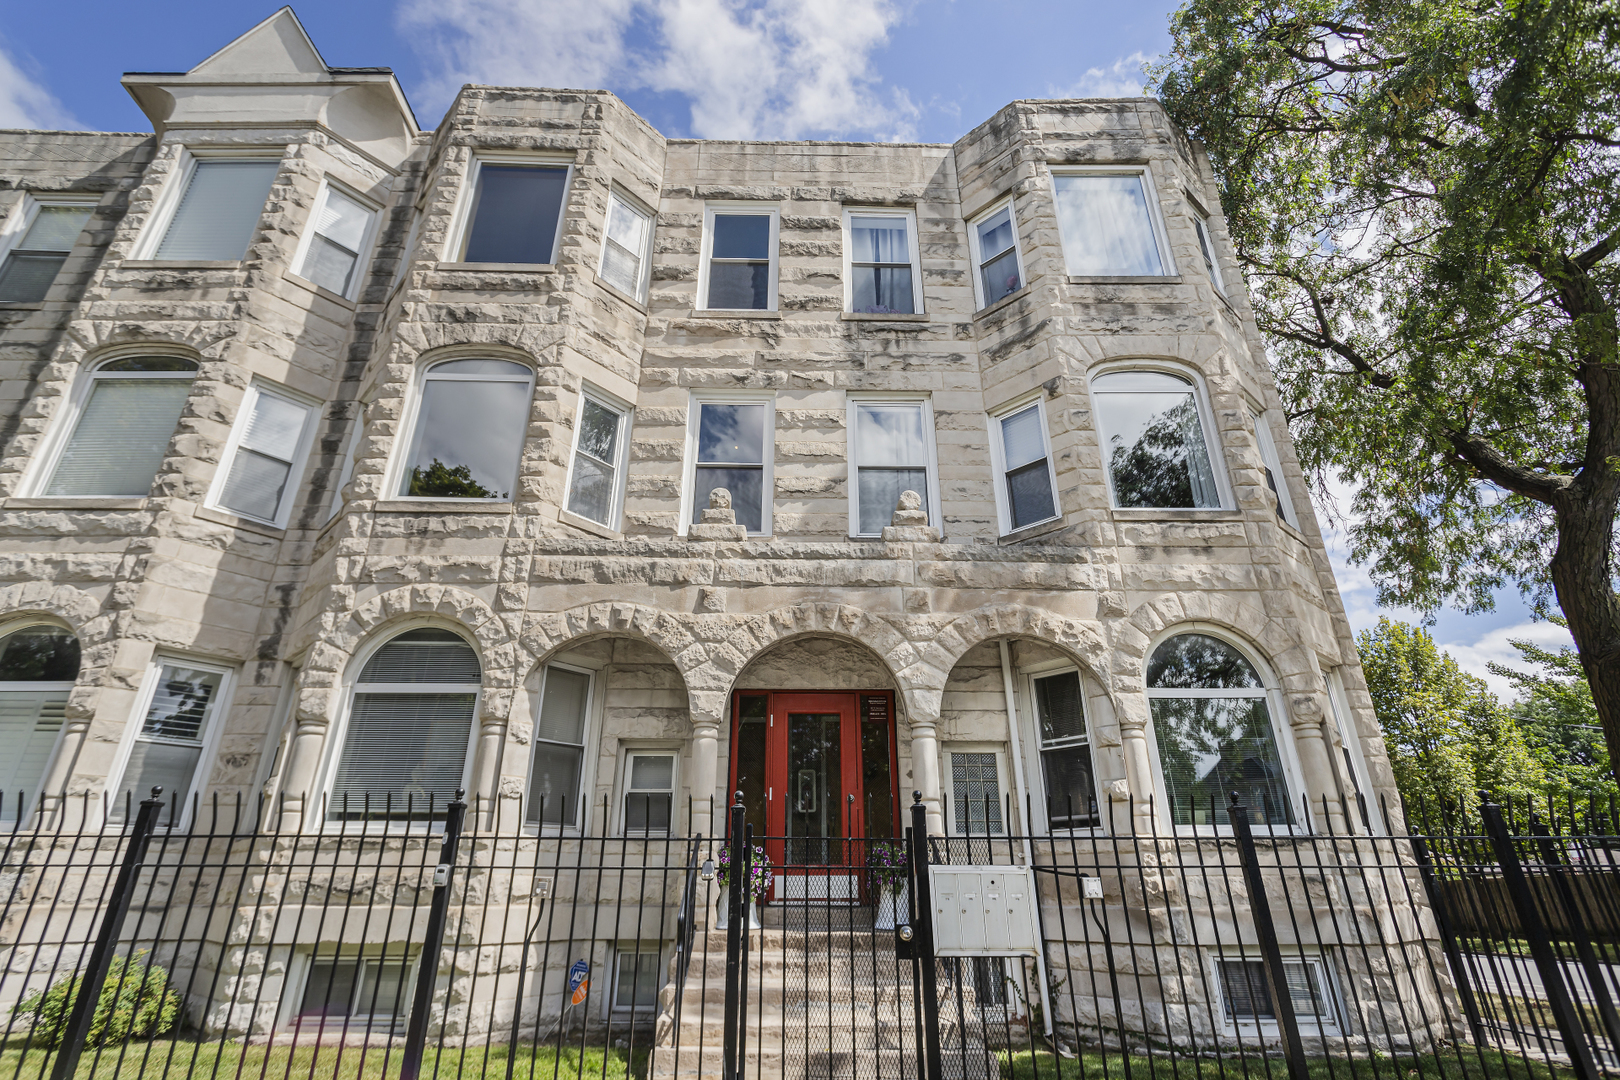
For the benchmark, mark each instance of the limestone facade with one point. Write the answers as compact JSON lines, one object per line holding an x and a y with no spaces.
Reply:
{"x":668,"y":618}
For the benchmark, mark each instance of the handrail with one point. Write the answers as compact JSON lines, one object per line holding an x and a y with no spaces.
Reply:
{"x":686,"y":927}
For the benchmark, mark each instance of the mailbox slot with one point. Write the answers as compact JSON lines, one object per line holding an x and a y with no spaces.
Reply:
{"x":984,"y":911}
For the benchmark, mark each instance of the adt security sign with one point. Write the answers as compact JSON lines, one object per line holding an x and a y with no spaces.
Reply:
{"x":579,"y":983}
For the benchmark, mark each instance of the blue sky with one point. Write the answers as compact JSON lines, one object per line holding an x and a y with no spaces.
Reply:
{"x":882,"y":69}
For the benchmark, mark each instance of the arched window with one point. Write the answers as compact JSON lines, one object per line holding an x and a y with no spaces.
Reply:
{"x":409,"y":729}
{"x":1153,"y":441}
{"x":125,"y":419}
{"x":38,"y":665}
{"x":468,"y":433}
{"x":1215,"y":734}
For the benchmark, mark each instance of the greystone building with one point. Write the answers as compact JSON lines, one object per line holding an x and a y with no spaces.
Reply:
{"x":602,"y":474}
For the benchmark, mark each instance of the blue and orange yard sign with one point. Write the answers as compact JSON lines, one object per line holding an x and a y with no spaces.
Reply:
{"x":579,"y":983}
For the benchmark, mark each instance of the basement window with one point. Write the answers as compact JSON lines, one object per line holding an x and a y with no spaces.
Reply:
{"x":1246,"y":997}
{"x":364,"y":990}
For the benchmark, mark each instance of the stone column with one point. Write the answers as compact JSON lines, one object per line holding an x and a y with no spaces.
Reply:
{"x":925,"y":771}
{"x":299,"y":803}
{"x":1308,"y":720}
{"x":705,"y":769}
{"x":1133,"y":740}
{"x":484,"y":793}
{"x":56,"y":809}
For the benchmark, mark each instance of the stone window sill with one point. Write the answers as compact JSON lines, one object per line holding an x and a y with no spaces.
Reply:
{"x":1006,"y":301}
{"x":1172,"y":279}
{"x":621,"y":296}
{"x":499,"y":268}
{"x":1029,"y":532}
{"x":442,"y":506}
{"x":230,"y":520}
{"x":320,"y":291}
{"x":180,"y":264}
{"x":866,"y":316}
{"x":740,"y":313}
{"x":1153,"y":513}
{"x":22,"y":305}
{"x":85,"y":502}
{"x":585,"y":524}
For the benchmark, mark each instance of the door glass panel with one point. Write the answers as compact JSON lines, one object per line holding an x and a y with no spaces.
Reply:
{"x":751,"y":729}
{"x":877,"y":779}
{"x":815,"y":792}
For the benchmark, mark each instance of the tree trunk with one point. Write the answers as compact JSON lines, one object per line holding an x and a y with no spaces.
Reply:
{"x":1582,"y":578}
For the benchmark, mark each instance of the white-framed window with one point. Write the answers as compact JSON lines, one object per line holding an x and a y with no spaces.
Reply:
{"x":998,"y":268}
{"x":1110,"y":223}
{"x":1246,"y":999}
{"x":407,"y":737}
{"x":180,"y":709}
{"x":355,"y":991}
{"x":259,"y":471}
{"x":36,"y":241}
{"x":601,"y":447}
{"x":730,"y":444}
{"x":891,"y":449}
{"x":467,"y":430}
{"x":1022,"y":455}
{"x":557,"y":773}
{"x":118,"y":426}
{"x":638,"y":975}
{"x":626,"y":246}
{"x":1365,"y":806}
{"x":649,"y":786}
{"x":1062,"y":748}
{"x":977,"y":775}
{"x":882,"y":265}
{"x":737,"y":271}
{"x":512,"y":210}
{"x":1206,"y":249}
{"x":39,"y":663}
{"x":1215,"y":732}
{"x":1153,"y":428}
{"x":1273,"y":464}
{"x":335,"y":245}
{"x":210,"y":212}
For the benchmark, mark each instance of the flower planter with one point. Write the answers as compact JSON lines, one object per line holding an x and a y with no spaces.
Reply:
{"x":723,"y":913}
{"x":893,"y":908}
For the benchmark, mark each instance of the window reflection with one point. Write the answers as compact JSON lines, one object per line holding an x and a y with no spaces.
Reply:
{"x":1153,"y":439}
{"x":731,"y":455}
{"x":469,"y":431}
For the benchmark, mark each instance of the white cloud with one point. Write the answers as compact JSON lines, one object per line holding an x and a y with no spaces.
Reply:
{"x":24,"y":103}
{"x":1122,"y":78}
{"x":755,"y":69}
{"x":1493,"y":645}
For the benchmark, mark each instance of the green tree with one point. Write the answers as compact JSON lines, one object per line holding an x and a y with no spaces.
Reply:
{"x":1554,"y":710}
{"x":1425,"y":199}
{"x":1447,"y":735}
{"x":447,"y":482}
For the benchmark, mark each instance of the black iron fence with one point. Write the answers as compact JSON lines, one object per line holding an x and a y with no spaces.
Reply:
{"x":453,"y":948}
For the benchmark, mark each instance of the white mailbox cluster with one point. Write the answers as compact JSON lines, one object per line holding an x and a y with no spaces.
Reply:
{"x":984,"y":911}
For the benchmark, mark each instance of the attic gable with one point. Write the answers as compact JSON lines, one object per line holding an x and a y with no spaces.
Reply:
{"x":277,"y":46}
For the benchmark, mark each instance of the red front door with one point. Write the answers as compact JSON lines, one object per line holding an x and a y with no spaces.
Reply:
{"x":814,"y":769}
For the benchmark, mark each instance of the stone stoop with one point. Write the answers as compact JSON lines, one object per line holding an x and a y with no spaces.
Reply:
{"x":821,"y":1003}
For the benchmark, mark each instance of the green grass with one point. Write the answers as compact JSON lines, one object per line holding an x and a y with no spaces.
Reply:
{"x":192,"y":1060}
{"x":1607,"y":952}
{"x":1486,"y":1065}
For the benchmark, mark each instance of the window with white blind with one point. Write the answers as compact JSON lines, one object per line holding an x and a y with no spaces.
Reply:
{"x":124,"y":415}
{"x":1206,"y":248}
{"x":1273,"y":466}
{"x":993,"y":242}
{"x":410,"y":725}
{"x":183,"y":703}
{"x":891,"y":450}
{"x":596,"y":477}
{"x":625,"y":247}
{"x":557,"y":776}
{"x":515,"y":212}
{"x":467,"y":433}
{"x":1028,"y":487}
{"x":43,"y":234}
{"x":649,"y":792}
{"x":1109,"y":222}
{"x":215,"y":216}
{"x":1153,"y":441}
{"x":38,"y":666}
{"x":339,"y":235}
{"x":1246,"y":998}
{"x":1069,"y":782}
{"x":261,"y":465}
